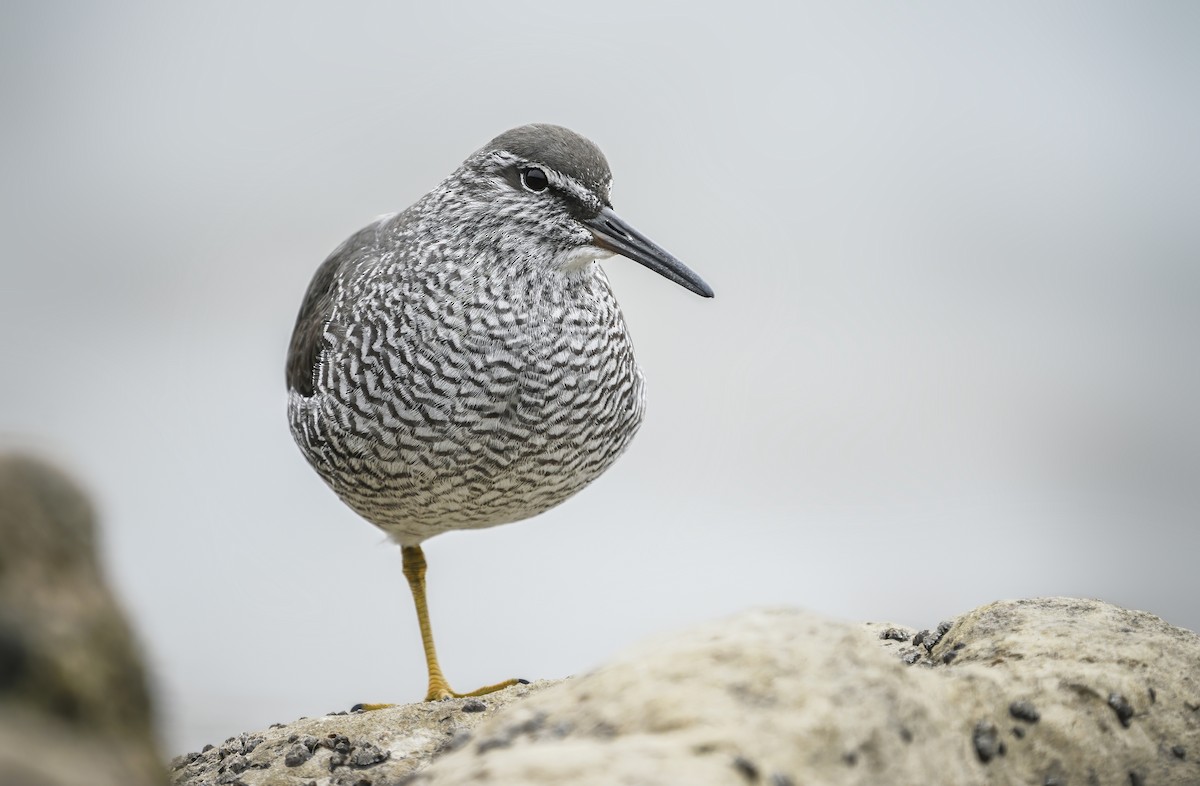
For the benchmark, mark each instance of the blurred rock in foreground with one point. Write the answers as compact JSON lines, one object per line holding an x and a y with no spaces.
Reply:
{"x":1047,"y":691}
{"x":74,"y":706}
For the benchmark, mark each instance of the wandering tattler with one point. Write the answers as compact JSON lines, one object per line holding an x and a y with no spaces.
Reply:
{"x":463,"y":363}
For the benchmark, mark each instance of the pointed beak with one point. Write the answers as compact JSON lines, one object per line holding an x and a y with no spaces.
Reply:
{"x":613,"y":234}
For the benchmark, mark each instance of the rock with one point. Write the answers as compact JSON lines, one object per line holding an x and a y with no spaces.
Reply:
{"x":377,"y":748}
{"x":1043,"y":691}
{"x":75,"y":709}
{"x":1107,"y":697}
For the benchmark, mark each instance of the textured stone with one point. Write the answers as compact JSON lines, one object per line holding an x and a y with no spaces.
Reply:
{"x":378,"y":747}
{"x":811,"y":701}
{"x":1099,"y":695}
{"x":74,"y":706}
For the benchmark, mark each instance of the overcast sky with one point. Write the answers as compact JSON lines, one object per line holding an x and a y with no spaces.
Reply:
{"x":952,"y":355}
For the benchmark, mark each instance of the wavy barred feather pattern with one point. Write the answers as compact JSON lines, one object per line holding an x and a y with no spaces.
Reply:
{"x":461,"y":364}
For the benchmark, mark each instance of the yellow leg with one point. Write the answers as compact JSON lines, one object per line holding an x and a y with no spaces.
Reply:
{"x":414,"y":571}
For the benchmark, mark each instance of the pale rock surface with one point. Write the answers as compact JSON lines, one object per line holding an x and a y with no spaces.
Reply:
{"x":347,"y":748}
{"x":1048,"y":691}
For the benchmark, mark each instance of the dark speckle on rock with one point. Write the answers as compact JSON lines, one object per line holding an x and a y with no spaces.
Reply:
{"x":1025,"y":711}
{"x":850,"y":757}
{"x":746,"y":768}
{"x":531,"y":725}
{"x":367,"y":754}
{"x":949,"y":656}
{"x":1153,"y":695}
{"x":1135,"y":779}
{"x":779,"y":779}
{"x":538,"y":720}
{"x":959,"y":645}
{"x":1179,"y":751}
{"x":237,"y":763}
{"x":1018,"y":732}
{"x":239,"y":745}
{"x":473,"y":705}
{"x":894,"y":634}
{"x":929,"y":640}
{"x":986,"y":739}
{"x":905,"y":734}
{"x":1121,"y":706}
{"x":338,"y":743}
{"x":492,"y":743}
{"x":296,"y":755}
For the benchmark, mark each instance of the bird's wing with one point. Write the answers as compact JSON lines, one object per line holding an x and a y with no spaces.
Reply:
{"x":304,"y":352}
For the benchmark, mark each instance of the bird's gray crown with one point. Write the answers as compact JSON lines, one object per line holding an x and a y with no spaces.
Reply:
{"x":560,"y":149}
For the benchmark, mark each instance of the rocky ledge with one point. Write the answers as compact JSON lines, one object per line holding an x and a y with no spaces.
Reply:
{"x":1048,"y":691}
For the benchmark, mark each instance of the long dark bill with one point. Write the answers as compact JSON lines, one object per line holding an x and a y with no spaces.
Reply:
{"x":613,"y":234}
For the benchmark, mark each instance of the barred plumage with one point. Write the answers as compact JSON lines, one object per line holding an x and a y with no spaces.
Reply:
{"x":464,"y":363}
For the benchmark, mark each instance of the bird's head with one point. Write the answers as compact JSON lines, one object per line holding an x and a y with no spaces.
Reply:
{"x":542,"y":192}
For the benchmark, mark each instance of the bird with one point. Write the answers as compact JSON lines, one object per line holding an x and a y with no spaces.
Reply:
{"x":463,"y":363}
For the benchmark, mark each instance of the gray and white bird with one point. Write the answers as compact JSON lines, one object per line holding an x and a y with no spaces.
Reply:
{"x":463,"y":363}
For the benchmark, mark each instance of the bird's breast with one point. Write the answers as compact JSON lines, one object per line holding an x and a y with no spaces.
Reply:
{"x":475,"y":411}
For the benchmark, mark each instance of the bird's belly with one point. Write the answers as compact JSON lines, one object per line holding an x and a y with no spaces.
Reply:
{"x":440,"y":453}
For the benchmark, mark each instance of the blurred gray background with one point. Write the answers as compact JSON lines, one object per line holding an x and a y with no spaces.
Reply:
{"x":952,"y":357}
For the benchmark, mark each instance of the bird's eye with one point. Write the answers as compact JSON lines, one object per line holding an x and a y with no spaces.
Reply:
{"x":534,"y":179}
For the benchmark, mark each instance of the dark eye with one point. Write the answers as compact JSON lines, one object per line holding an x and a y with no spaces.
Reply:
{"x":534,"y":179}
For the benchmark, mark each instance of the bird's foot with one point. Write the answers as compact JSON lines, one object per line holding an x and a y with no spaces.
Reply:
{"x":440,"y":691}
